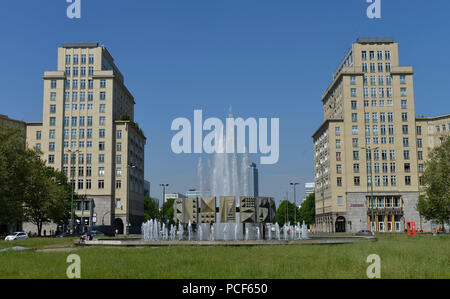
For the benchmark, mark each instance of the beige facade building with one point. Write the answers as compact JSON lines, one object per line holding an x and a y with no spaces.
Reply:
{"x":88,"y":131}
{"x":370,"y":141}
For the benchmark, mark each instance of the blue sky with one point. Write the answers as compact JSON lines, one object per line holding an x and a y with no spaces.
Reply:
{"x":265,"y":58}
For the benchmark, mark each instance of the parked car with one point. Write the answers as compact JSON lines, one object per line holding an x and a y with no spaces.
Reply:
{"x":16,"y":236}
{"x":365,"y":232}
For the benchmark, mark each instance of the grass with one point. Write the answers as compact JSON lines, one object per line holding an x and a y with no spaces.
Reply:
{"x":401,"y":257}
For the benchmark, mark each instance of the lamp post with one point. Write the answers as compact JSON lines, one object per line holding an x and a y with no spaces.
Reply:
{"x":72,"y":184}
{"x":371,"y":202}
{"x":295,"y":203}
{"x":164,"y":197}
{"x":255,"y":179}
{"x":127,"y":228}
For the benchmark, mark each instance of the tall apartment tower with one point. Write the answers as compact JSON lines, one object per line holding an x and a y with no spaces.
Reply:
{"x":88,"y":131}
{"x":368,"y":144}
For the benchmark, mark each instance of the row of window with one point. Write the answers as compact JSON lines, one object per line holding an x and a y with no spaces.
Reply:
{"x":379,"y":181}
{"x":82,"y":121}
{"x":381,"y":80}
{"x":73,"y":159}
{"x":384,"y":155}
{"x":82,"y":171}
{"x":354,"y":104}
{"x":90,"y":84}
{"x":81,"y":107}
{"x":67,"y":85}
{"x":81,"y":134}
{"x":90,"y":96}
{"x":383,"y":167}
{"x":387,"y":55}
{"x":378,"y":93}
{"x":373,"y":67}
{"x":76,"y":59}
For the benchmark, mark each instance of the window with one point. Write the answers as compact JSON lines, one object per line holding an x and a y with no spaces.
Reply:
{"x":420,"y":156}
{"x":407,"y":180}
{"x":392,"y":155}
{"x":388,"y":67}
{"x":364,"y":67}
{"x":101,"y":171}
{"x":387,"y":55}
{"x":419,"y":143}
{"x":372,"y":55}
{"x":102,"y":96}
{"x":373,"y":92}
{"x":119,"y":159}
{"x":101,"y":184}
{"x":355,"y":142}
{"x":118,"y":204}
{"x":119,"y":134}
{"x":366,"y":92}
{"x":101,"y":158}
{"x":355,"y":155}
{"x":405,"y":129}
{"x":405,"y":142}
{"x":402,"y":79}
{"x":340,"y":201}
{"x":102,"y":83}
{"x":356,"y":180}
{"x":406,"y":154}
{"x":101,"y":133}
{"x":338,"y":143}
{"x":118,"y":184}
{"x":354,"y":105}
{"x":91,"y":58}
{"x":380,"y":68}
{"x":355,"y":168}
{"x":352,"y":80}
{"x":51,"y":147}
{"x":75,"y":71}
{"x":365,"y":81}
{"x":119,"y":146}
{"x":51,"y":159}
{"x":354,"y":117}
{"x":101,"y":146}
{"x":51,"y":134}
{"x":407,"y":167}
{"x":355,"y":130}
{"x":403,"y":92}
{"x":52,"y":121}
{"x":380,"y":55}
{"x":372,"y":67}
{"x":118,"y":171}
{"x":380,"y":80}
{"x":83,"y":71}
{"x":102,"y":108}
{"x":364,"y":55}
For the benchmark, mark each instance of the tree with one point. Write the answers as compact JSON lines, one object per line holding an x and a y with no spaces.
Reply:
{"x":151,"y":208}
{"x":13,"y":168}
{"x":167,"y":211}
{"x":435,"y":205}
{"x":286,"y":207}
{"x":46,"y":196}
{"x":308,"y":210}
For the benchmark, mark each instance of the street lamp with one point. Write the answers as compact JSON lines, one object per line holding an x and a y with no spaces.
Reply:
{"x":72,"y":184}
{"x":164,"y":197}
{"x":295,"y":203}
{"x":127,"y":229}
{"x":255,"y":179}
{"x":371,"y":203}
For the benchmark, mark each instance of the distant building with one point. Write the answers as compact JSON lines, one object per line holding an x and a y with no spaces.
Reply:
{"x":194,"y":193}
{"x":168,"y":196}
{"x":309,"y":189}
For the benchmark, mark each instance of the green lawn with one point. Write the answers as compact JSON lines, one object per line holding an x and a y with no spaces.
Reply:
{"x":401,"y":257}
